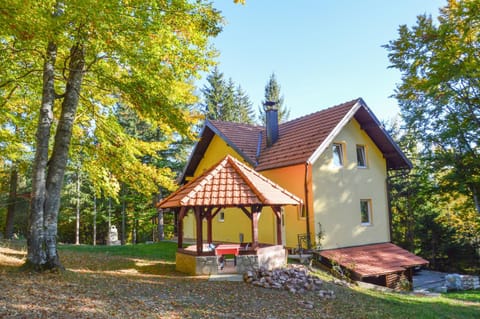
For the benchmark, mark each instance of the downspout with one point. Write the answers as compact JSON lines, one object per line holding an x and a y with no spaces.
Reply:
{"x":307,"y":210}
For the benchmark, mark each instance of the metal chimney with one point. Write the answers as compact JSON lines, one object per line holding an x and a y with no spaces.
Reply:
{"x":271,"y":114}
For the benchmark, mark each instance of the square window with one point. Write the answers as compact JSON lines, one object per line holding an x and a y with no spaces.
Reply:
{"x":361,"y":156}
{"x":221,"y":216}
{"x":337,"y":150}
{"x":365,"y":211}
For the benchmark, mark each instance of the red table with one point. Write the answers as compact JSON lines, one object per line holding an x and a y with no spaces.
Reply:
{"x":225,"y":249}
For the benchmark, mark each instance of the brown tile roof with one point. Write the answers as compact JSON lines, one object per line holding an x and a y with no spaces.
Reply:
{"x":299,"y":139}
{"x":374,"y":260}
{"x":230,"y":183}
{"x":242,"y":137}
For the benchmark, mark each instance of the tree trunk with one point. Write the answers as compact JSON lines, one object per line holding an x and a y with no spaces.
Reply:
{"x":94,"y":220}
{"x":36,"y":256}
{"x":123,"y":215}
{"x":12,"y":198}
{"x":77,"y":224}
{"x":58,"y":161}
{"x":134,"y":231}
{"x":476,"y":200}
{"x":160,"y":225}
{"x":109,"y":220}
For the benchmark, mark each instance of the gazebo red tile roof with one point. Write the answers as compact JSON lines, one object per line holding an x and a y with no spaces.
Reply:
{"x":374,"y":260}
{"x":229,"y":183}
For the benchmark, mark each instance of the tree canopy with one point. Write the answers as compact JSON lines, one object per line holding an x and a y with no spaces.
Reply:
{"x":440,"y":92}
{"x":70,"y":63}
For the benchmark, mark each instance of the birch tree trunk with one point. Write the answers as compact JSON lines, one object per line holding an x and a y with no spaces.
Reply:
{"x":77,"y":222}
{"x":36,"y":256}
{"x":94,"y":220}
{"x":58,"y":161}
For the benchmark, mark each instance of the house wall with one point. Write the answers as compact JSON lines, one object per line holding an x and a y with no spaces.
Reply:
{"x":338,"y":191}
{"x":291,"y":178}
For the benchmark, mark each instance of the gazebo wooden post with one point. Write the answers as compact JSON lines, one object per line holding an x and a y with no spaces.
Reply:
{"x":256,"y":211}
{"x":181,"y":215}
{"x":198,"y":220}
{"x":278,"y":214}
{"x":208,"y":215}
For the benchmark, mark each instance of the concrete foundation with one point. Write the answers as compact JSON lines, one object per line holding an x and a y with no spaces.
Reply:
{"x":269,"y":257}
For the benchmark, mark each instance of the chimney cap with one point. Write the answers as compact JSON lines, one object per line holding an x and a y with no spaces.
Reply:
{"x":270,"y":104}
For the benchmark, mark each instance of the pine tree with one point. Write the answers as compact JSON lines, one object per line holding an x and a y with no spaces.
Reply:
{"x":244,"y":106}
{"x":225,"y":101}
{"x":272,"y":94}
{"x":214,"y":95}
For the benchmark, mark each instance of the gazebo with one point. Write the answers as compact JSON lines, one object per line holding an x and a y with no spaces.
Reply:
{"x":227,"y":184}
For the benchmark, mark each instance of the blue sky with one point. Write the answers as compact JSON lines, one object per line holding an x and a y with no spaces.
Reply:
{"x":322,"y":52}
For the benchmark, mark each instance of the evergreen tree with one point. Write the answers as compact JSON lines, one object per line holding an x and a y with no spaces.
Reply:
{"x":214,"y":95}
{"x":244,"y":106}
{"x":225,"y":101}
{"x":272,"y":94}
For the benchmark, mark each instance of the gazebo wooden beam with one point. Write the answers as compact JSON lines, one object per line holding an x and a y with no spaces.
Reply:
{"x":198,"y":220}
{"x":256,"y":211}
{"x":181,"y":215}
{"x":249,"y":214}
{"x":208,"y":215}
{"x":278,"y":214}
{"x":217,"y":210}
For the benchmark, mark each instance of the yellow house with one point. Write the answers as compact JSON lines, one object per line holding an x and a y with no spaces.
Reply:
{"x":336,"y":160}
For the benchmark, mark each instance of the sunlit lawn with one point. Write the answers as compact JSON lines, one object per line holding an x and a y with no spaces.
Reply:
{"x":469,"y":295}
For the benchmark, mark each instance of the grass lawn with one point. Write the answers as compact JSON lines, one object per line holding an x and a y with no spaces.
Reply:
{"x":470,"y":295}
{"x":156,"y":251}
{"x":141,"y":282}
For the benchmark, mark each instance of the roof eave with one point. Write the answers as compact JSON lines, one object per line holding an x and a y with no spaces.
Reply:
{"x":319,"y":151}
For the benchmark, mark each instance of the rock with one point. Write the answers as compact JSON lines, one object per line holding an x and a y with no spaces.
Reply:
{"x":295,"y":279}
{"x":306,"y":304}
{"x":453,"y":282}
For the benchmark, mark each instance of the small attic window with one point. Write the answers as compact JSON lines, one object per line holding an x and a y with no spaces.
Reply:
{"x":337,"y":150}
{"x":221,"y":216}
{"x":361,"y":156}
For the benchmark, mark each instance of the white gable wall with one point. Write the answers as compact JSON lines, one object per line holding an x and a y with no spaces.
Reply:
{"x":337,"y":192}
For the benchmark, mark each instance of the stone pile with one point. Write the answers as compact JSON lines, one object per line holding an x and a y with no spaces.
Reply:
{"x":295,"y":279}
{"x":462,"y":282}
{"x":471,"y":282}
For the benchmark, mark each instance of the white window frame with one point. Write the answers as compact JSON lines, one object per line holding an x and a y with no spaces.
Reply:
{"x":363,"y":150}
{"x":221,"y":216}
{"x":369,"y":212}
{"x":340,"y":155}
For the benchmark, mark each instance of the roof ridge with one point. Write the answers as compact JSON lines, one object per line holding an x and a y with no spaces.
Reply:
{"x":237,"y":123}
{"x":352,"y":102}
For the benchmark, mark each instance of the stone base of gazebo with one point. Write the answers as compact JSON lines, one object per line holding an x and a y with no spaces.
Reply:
{"x":269,"y":257}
